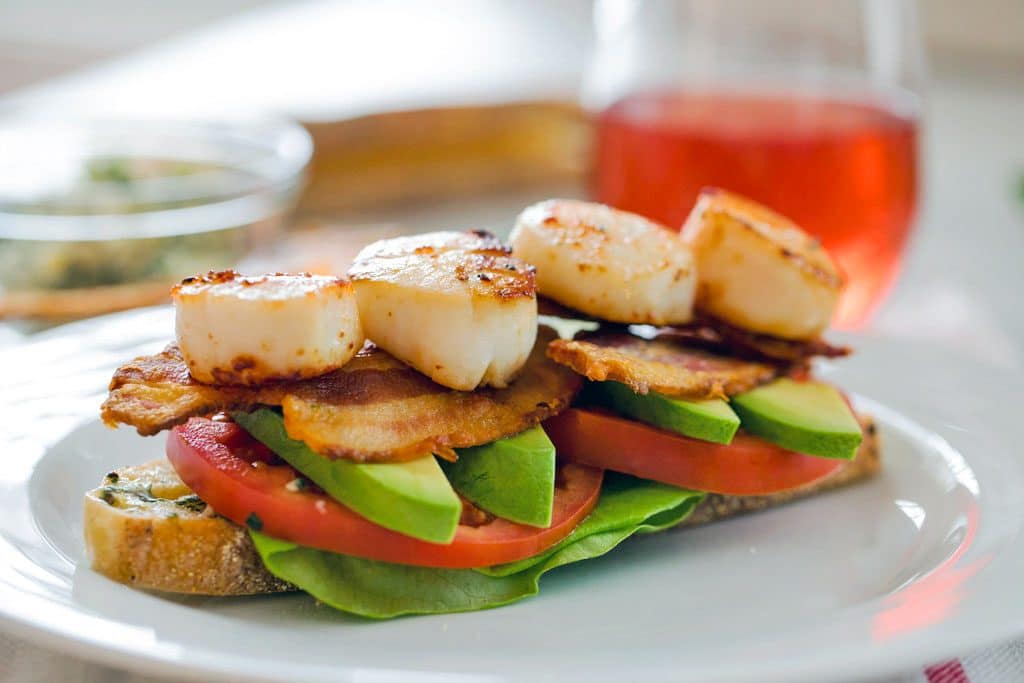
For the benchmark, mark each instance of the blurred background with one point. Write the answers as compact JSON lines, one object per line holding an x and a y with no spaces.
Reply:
{"x":889,"y":128}
{"x":145,"y":140}
{"x":42,"y":39}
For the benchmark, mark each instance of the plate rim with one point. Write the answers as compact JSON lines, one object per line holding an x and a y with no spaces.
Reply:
{"x":940,"y":643}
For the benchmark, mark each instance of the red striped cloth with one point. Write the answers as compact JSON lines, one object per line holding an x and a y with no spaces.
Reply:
{"x":947,"y":672}
{"x":1003,"y":664}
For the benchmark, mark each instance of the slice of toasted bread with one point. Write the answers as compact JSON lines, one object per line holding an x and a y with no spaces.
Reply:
{"x":145,"y":528}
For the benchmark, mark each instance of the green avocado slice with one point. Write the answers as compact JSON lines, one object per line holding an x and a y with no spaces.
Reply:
{"x":711,"y":420}
{"x":413,"y":498}
{"x":513,"y":478}
{"x":807,"y":417}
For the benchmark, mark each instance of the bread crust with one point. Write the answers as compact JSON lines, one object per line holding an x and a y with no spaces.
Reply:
{"x":867,"y":463}
{"x":145,"y":528}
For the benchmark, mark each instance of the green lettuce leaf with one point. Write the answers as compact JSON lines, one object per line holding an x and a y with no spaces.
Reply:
{"x":381,"y":590}
{"x":627,"y":506}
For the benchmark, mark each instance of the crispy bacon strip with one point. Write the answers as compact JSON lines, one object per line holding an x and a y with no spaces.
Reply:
{"x":374,"y":409}
{"x":659,"y":365}
{"x":713,"y":334}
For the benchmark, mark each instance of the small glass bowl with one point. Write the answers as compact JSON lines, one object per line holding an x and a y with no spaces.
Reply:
{"x":103,"y":215}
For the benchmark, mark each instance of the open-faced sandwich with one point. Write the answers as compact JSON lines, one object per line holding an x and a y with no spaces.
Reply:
{"x":409,"y":439}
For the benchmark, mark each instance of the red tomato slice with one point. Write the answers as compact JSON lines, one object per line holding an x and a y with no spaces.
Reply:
{"x":749,"y":466}
{"x":233,"y":472}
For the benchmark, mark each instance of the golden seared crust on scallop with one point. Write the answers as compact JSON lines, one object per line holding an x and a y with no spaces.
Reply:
{"x":375,"y":409}
{"x":757,"y":270}
{"x":606,"y":263}
{"x":454,"y":305}
{"x":479,"y":262}
{"x":145,"y":528}
{"x":249,"y":330}
{"x":658,"y":365}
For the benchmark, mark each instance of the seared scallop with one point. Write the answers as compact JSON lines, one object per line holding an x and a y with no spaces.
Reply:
{"x":454,"y":305}
{"x":247,"y":330}
{"x":758,"y":270}
{"x":609,"y":264}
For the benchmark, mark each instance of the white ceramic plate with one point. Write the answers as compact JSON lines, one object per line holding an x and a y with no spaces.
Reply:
{"x":921,"y":563}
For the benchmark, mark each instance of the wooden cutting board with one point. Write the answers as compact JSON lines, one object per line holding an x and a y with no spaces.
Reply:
{"x":409,"y":156}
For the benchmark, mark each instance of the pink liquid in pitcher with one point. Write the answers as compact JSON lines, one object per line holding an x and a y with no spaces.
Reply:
{"x":843,"y":170}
